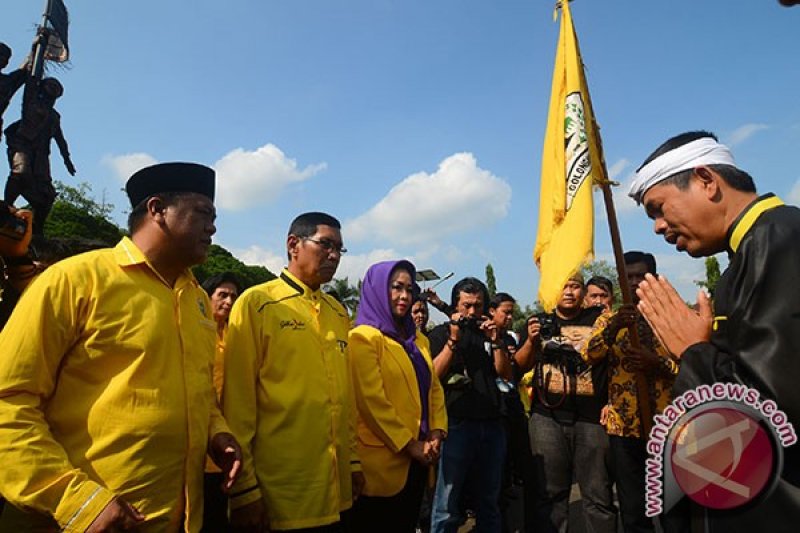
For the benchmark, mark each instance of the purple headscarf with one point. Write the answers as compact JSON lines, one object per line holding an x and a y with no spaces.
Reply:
{"x":374,"y":309}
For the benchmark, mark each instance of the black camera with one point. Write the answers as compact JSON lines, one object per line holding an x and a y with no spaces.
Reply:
{"x":467,"y":322}
{"x":549,"y":326}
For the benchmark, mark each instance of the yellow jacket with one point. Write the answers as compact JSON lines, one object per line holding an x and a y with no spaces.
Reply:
{"x":105,"y":389}
{"x":389,"y":409}
{"x":287,"y":398}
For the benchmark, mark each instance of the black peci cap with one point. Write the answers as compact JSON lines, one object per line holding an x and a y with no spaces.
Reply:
{"x":170,"y":177}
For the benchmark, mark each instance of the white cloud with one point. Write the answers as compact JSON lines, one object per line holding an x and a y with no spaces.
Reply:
{"x":354,"y":266}
{"x":794,"y":194}
{"x":617,"y":168}
{"x":457,"y":197}
{"x":742,"y":133}
{"x":123,"y":166}
{"x":256,"y":255}
{"x":249,"y":178}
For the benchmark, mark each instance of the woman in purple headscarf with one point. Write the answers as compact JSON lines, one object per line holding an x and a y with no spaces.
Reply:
{"x":401,"y":412}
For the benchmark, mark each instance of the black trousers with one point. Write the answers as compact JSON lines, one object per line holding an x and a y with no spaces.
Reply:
{"x":628,"y":456}
{"x":392,"y":514}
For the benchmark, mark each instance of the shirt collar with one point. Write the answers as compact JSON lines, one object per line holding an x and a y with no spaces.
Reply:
{"x":128,"y":254}
{"x":298,"y":285}
{"x":748,"y":217}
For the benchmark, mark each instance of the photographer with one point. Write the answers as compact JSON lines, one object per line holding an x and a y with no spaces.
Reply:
{"x":469,"y":359}
{"x":566,"y":437}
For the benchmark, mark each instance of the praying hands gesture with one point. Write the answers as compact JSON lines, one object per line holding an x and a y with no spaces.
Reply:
{"x":675,"y":324}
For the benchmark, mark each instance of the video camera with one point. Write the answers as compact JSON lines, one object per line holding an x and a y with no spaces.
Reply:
{"x":468,"y":322}
{"x":549,"y":326}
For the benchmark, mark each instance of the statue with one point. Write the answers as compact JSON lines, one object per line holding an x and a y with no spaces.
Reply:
{"x":28,"y":142}
{"x":9,"y":83}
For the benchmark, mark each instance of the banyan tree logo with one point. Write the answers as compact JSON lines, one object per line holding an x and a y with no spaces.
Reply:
{"x":576,"y":140}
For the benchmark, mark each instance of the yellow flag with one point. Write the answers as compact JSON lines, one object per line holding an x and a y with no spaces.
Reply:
{"x":571,"y":162}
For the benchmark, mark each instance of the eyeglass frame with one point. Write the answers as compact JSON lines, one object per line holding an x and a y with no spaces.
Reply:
{"x":327,"y":246}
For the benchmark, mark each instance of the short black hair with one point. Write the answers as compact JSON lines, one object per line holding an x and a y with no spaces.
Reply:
{"x":5,"y":50}
{"x":733,"y":176}
{"x":211,"y":283}
{"x":635,"y":256}
{"x":470,"y":286}
{"x":305,"y":225}
{"x":499,"y":298}
{"x":137,"y":214}
{"x":602,"y":282}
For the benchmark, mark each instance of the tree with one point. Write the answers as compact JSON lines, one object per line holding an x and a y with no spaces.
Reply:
{"x":347,"y":294}
{"x":76,"y":215}
{"x":712,"y":275}
{"x":521,"y":316}
{"x":491,"y":282}
{"x":221,"y":260}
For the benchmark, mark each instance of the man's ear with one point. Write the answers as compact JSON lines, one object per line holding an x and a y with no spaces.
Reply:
{"x":292,"y":243}
{"x":709,"y":181}
{"x":156,"y":208}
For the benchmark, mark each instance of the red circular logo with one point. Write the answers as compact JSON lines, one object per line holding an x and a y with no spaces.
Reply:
{"x":722,"y":458}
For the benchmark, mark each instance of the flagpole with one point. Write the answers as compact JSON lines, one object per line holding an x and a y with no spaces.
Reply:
{"x":642,"y":389}
{"x":37,"y":69}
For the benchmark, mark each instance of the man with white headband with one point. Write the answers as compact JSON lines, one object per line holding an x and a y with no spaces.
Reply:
{"x":703,"y":204}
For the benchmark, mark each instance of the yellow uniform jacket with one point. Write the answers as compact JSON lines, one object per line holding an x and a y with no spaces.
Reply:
{"x":288,"y":400}
{"x":105,"y":390}
{"x":389,"y":408}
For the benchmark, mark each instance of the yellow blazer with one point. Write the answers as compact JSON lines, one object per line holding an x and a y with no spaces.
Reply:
{"x":389,"y":408}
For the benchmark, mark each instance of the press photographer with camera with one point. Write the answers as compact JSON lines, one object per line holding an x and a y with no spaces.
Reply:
{"x":566,"y":437}
{"x":468,"y":360}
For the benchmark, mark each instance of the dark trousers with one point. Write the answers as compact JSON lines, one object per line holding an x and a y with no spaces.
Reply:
{"x":215,"y":504}
{"x":562,"y":452}
{"x":391,"y":514}
{"x":518,"y":469}
{"x":471,"y":463}
{"x":628,"y":455}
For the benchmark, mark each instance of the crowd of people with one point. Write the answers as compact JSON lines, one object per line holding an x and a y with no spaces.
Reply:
{"x":134,"y":399}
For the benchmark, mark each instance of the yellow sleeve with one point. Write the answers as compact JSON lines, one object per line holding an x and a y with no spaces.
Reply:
{"x":245,"y":349}
{"x":37,"y":474}
{"x":596,"y":348}
{"x":437,"y":415}
{"x":352,"y":419}
{"x":374,"y":408}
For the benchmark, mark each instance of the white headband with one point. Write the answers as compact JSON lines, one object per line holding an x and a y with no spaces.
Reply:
{"x":703,"y":151}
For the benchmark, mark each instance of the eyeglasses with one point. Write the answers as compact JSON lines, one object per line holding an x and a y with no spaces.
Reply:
{"x":328,"y":246}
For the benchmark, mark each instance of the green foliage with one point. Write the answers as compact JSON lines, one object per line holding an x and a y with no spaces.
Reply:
{"x":607,"y":270}
{"x":491,"y":282}
{"x":76,"y":215}
{"x":520,"y":316}
{"x":221,"y":260}
{"x":347,"y":294}
{"x":712,"y":275}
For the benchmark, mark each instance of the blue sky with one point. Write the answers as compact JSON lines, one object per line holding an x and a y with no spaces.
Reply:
{"x":418,"y":123}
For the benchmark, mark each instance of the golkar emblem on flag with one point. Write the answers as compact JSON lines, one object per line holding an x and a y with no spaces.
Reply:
{"x":576,"y":146}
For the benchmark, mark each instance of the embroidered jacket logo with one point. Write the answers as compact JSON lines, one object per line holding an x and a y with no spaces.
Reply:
{"x":293,"y":324}
{"x":576,"y":146}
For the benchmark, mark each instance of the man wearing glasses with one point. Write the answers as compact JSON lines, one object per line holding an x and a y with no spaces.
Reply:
{"x":287,"y":391}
